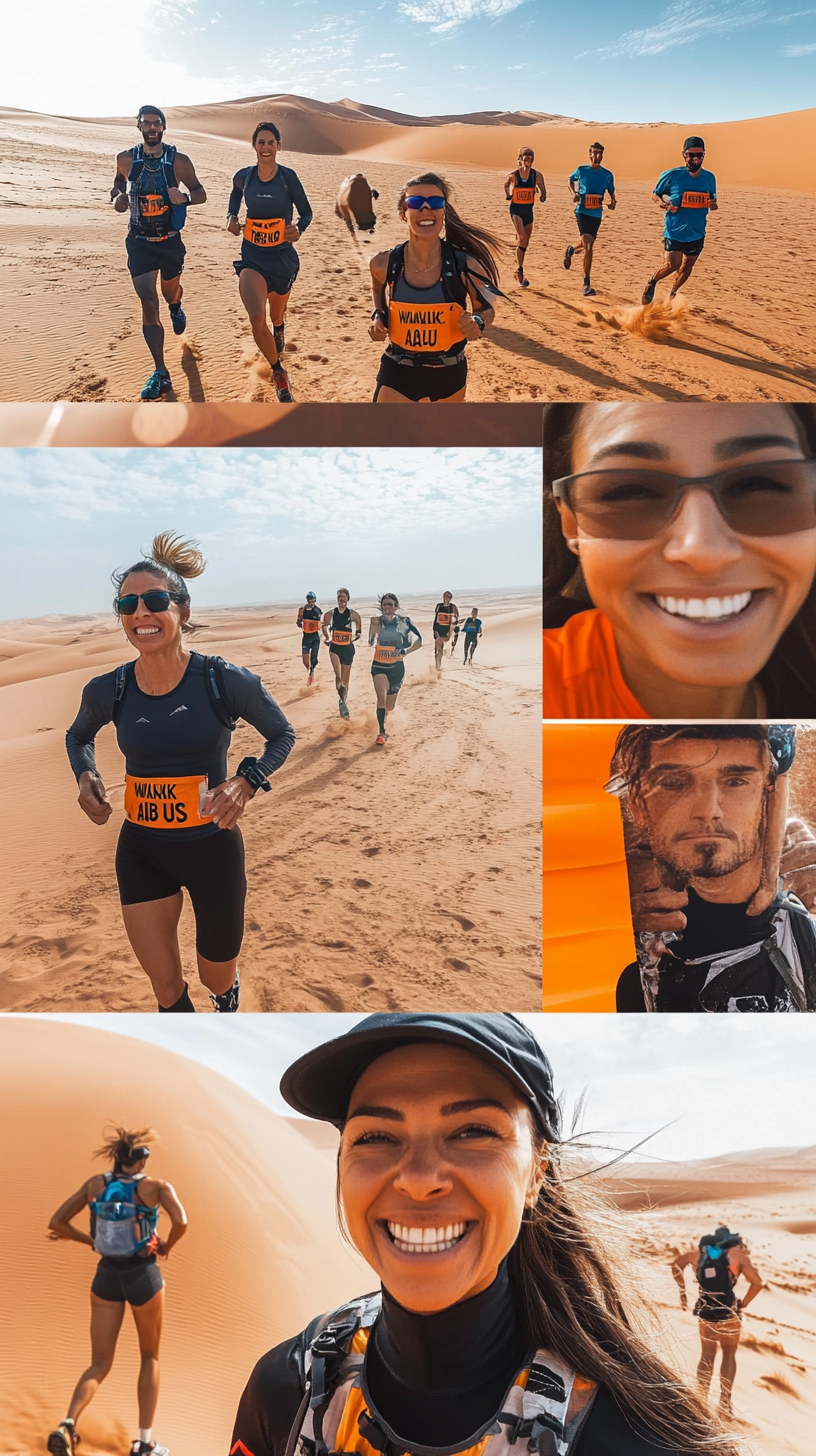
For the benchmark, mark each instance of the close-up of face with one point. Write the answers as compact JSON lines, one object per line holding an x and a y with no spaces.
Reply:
{"x":694,"y":158}
{"x":596,"y":156}
{"x":267,"y":146}
{"x":151,"y":127}
{"x":389,"y":606}
{"x":437,"y":1165}
{"x":423,"y":220}
{"x":342,"y":600}
{"x":151,"y":631}
{"x":703,"y":802}
{"x":699,"y":602}
{"x":447,"y":598}
{"x":525,"y":161}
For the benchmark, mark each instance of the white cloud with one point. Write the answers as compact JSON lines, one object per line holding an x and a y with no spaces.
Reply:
{"x":685,"y":22}
{"x":799,"y":50}
{"x":445,"y":16}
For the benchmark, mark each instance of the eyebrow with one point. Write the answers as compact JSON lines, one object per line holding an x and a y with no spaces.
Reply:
{"x":450,"y":1109}
{"x":729,"y":768}
{"x":724,"y":450}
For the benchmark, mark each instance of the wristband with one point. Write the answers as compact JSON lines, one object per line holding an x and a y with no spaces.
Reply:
{"x":248,"y":769}
{"x":479,"y":322}
{"x":380,"y":313}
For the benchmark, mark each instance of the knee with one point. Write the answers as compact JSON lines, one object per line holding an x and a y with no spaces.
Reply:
{"x":150,"y":311}
{"x":257,"y":318}
{"x":102,"y":1368}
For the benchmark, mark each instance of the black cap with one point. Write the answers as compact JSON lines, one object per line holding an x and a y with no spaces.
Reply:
{"x":597,"y":147}
{"x":320,"y":1083}
{"x":693,"y":142}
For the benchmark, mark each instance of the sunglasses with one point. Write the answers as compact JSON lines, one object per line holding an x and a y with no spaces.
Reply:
{"x":771,"y":498}
{"x":155,"y":601}
{"x":695,"y":156}
{"x":417,"y":203}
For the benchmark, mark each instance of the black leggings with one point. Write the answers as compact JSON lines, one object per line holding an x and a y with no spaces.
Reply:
{"x":311,"y":644}
{"x":471,"y":638}
{"x":155,"y":864}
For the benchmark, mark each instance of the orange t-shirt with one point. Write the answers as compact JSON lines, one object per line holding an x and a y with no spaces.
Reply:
{"x":582,"y":676}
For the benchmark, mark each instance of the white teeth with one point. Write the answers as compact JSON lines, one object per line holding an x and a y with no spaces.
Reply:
{"x":147,"y":631}
{"x":426,"y":1240}
{"x":710,"y":609}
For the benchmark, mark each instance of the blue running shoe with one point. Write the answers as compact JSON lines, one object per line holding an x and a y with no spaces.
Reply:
{"x":589,"y":291}
{"x":157,"y":385}
{"x":344,"y":712}
{"x":649,"y":292}
{"x":178,"y":318}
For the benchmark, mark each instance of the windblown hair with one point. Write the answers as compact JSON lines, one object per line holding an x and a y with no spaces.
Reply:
{"x":172,"y":559}
{"x":468,"y":236}
{"x":344,"y":590}
{"x":526,"y":152}
{"x":633,"y":750}
{"x":120,"y":1142}
{"x":154,"y":111}
{"x":266,"y":126}
{"x":788,"y":678}
{"x":388,"y":597}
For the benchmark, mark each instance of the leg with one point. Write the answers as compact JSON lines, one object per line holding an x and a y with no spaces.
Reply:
{"x":380,"y":680}
{"x":148,"y":1320}
{"x":315,"y":653}
{"x":729,"y":1341}
{"x":671,"y":264}
{"x":106,"y":1322}
{"x":705,"y":1367}
{"x":439,"y":648}
{"x":152,"y":929}
{"x":337,"y":668}
{"x":253,"y":291}
{"x":390,"y":396}
{"x":146,"y":292}
{"x":307,"y":659}
{"x":277,"y":307}
{"x":391,"y":702}
{"x":217,"y":976}
{"x":587,"y":243}
{"x":683,"y":273}
{"x":171,"y":289}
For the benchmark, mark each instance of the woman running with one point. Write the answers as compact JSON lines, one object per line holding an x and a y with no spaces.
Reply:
{"x":174,"y":713}
{"x":508,"y":1319}
{"x":520,"y":189}
{"x":308,"y":620}
{"x":268,"y":265}
{"x":421,"y":290}
{"x":342,"y":627}
{"x":124,"y":1205}
{"x":390,"y":636}
{"x":446,"y":613}
{"x":472,"y":628}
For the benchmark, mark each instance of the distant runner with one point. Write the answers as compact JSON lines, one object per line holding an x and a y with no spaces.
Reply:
{"x":390,"y":636}
{"x":456,"y":631}
{"x":686,"y":195}
{"x":472,"y":628}
{"x":718,"y":1261}
{"x":445,"y":614}
{"x":309,"y":619}
{"x":520,"y":189}
{"x":588,"y":186}
{"x":421,"y":289}
{"x":268,"y":265}
{"x":342,"y":627}
{"x":146,"y":185}
{"x":124,"y":1206}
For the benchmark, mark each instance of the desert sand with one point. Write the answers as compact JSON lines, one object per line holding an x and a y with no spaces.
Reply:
{"x":72,"y":324}
{"x":261,"y":1257}
{"x":379,"y":879}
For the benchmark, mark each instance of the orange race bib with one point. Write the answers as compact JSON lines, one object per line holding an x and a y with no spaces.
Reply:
{"x":341,"y":637}
{"x":152,"y":204}
{"x":166,"y":803}
{"x":310,"y":625}
{"x":590,"y":199}
{"x":695,"y":199}
{"x":524,"y":194}
{"x":444,"y":618}
{"x":388,"y":656}
{"x":424,"y":328}
{"x":265,"y":232}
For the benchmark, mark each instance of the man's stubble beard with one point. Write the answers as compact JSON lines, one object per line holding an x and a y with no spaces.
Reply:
{"x":705,"y":868}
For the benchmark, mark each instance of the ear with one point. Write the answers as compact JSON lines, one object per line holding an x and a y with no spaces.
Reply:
{"x":569,"y":527}
{"x":537,"y":1177}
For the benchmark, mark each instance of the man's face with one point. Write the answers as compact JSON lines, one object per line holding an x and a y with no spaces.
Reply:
{"x":151,"y":127}
{"x":703,"y":802}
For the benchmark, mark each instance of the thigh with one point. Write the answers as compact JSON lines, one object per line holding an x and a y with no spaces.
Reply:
{"x":142,"y":869}
{"x":380,"y":687}
{"x":148,"y":1321}
{"x":253,"y":288}
{"x":145,"y":285}
{"x":215,"y":877}
{"x":277,"y":304}
{"x":106,"y":1322}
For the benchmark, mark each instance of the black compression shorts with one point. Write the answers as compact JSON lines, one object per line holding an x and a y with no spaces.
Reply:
{"x":523,"y":211}
{"x":689,"y":250}
{"x":343,"y":654}
{"x":145,"y":256}
{"x":278,"y":274}
{"x":152,"y":865}
{"x":310,"y":643}
{"x":587,"y":224}
{"x":127,"y":1281}
{"x":416,"y":382}
{"x":443,"y":632}
{"x":394,"y":674}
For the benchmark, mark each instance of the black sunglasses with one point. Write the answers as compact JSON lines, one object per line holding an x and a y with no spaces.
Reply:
{"x":155,"y":601}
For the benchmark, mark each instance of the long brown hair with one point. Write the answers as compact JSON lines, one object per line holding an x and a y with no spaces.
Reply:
{"x":788,"y":678}
{"x":477,"y":241}
{"x":120,"y":1142}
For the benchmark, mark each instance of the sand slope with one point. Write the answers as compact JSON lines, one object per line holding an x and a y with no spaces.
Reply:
{"x":261,"y":1257}
{"x":379,"y":879}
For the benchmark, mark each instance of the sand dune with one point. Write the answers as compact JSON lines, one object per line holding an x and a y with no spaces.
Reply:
{"x":738,"y":335}
{"x":379,"y":879}
{"x":262,"y":1255}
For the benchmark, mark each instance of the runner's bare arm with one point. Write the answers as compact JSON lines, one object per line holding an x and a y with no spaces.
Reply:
{"x":508,"y":185}
{"x":378,"y":328}
{"x":751,"y":1274}
{"x":358,"y":623}
{"x":171,"y":1203}
{"x":679,"y":1264}
{"x":60,"y":1226}
{"x":118,"y":192}
{"x":327,"y":616}
{"x":480,"y":306}
{"x":185,"y":172}
{"x":373,"y":629}
{"x":541,"y":185}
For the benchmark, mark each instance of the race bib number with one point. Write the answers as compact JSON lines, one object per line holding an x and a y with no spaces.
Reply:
{"x":340,"y":637}
{"x":166,"y":803}
{"x":310,"y":625}
{"x":695,"y":199}
{"x":443,"y":619}
{"x":524,"y":194}
{"x":152,"y":204}
{"x":590,"y":199}
{"x":388,"y":656}
{"x":265,"y":232}
{"x":424,"y":328}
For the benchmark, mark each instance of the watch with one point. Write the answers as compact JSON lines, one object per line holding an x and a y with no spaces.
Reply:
{"x":379,"y":313}
{"x":248,"y":769}
{"x":479,"y":321}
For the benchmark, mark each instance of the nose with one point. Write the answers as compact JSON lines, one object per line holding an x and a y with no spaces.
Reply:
{"x":699,"y":537}
{"x":422,"y":1173}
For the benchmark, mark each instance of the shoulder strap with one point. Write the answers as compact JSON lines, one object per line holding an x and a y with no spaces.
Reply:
{"x":169,"y":166}
{"x":283,"y":171}
{"x":215,"y":682}
{"x":454,"y":264}
{"x":123,"y":676}
{"x":396,"y":263}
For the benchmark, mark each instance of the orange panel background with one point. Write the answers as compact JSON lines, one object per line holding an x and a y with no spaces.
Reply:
{"x":587,"y":926}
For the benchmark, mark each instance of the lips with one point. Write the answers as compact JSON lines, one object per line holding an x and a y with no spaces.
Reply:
{"x":413,"y":1240}
{"x":706,"y":609}
{"x":147,"y":631}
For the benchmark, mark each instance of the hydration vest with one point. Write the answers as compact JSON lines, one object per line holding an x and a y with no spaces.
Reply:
{"x":121,"y":1227}
{"x":337,"y":1418}
{"x":213,"y":679}
{"x":178,"y":210}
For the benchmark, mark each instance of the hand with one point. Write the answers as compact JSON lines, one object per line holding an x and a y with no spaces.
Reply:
{"x":291,"y":233}
{"x":610,"y":206}
{"x":121,"y":202}
{"x":713,"y":206}
{"x":798,"y":864}
{"x":377,"y":331}
{"x":233,"y":226}
{"x":161,"y":1249}
{"x":226,"y":802}
{"x":177,"y":196}
{"x":467,"y":326}
{"x":93,"y":799}
{"x":670,"y":207}
{"x":655,"y":907}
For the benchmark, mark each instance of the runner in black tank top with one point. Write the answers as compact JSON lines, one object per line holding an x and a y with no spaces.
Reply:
{"x":446,"y":614}
{"x":268,"y":265}
{"x":520,"y":189}
{"x":342,"y":627}
{"x":309,"y":619}
{"x":390,"y":636}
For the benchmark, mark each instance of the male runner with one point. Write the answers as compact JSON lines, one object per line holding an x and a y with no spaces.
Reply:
{"x":472,"y":628}
{"x":718,"y":1261}
{"x":146,"y":185}
{"x":588,"y":186}
{"x":686,"y":195}
{"x":309,"y":619}
{"x":445,"y":615}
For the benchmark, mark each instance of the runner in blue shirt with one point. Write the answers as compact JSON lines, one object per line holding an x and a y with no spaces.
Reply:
{"x":588,"y":186}
{"x":686,"y":195}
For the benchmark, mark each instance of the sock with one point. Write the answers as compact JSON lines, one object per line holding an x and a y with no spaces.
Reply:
{"x":183,"y":1004}
{"x":381,"y":719}
{"x":154,"y":338}
{"x":145,"y":1434}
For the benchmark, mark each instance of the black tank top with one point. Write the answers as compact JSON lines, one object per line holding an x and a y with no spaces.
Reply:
{"x":341,"y":620}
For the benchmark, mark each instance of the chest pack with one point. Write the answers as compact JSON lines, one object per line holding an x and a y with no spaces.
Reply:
{"x":213,"y":682}
{"x":150,"y":210}
{"x":120,"y":1226}
{"x":335,"y":1417}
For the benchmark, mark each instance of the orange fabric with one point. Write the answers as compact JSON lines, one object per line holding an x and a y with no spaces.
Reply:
{"x":695,"y":199}
{"x":310,"y":624}
{"x":582,"y":676}
{"x":152,"y":204}
{"x":388,"y":656}
{"x":524,"y":194}
{"x":341,"y":637}
{"x":265,"y":232}
{"x":425,"y":328}
{"x":591,"y":199}
{"x":171,"y":803}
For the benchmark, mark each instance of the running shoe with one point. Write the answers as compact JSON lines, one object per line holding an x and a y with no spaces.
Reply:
{"x":649,"y":292}
{"x":157,"y":385}
{"x":525,"y":282}
{"x":344,"y":712}
{"x":148,"y":1448}
{"x":589,"y":291}
{"x":63,"y":1441}
{"x":227,"y":1001}
{"x":310,"y":680}
{"x":178,"y":318}
{"x":280,"y":379}
{"x":568,"y":256}
{"x":279,"y":335}
{"x":382,"y":738}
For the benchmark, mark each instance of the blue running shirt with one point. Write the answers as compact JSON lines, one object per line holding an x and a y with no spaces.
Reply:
{"x":692,"y":195}
{"x":593,"y":182}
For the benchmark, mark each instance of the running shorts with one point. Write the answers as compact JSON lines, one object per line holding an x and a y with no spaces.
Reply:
{"x":343,"y":654}
{"x":145,"y":256}
{"x":421,"y":381}
{"x":689,"y":250}
{"x":713,"y":1313}
{"x":278,"y":272}
{"x":310,"y":642}
{"x":127,"y":1281}
{"x":443,"y":632}
{"x":394,"y":674}
{"x":587,"y":224}
{"x":153,"y":866}
{"x":524,"y":211}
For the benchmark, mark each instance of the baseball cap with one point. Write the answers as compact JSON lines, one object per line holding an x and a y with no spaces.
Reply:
{"x":693,"y":142}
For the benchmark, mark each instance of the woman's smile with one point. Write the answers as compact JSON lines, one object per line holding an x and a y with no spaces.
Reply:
{"x":418,"y":1239}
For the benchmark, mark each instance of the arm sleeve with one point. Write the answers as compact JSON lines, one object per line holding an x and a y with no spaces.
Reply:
{"x":412,"y":628}
{"x":249,"y":699}
{"x":95,"y":710}
{"x":236,"y":196}
{"x":269,"y":1404}
{"x":300,"y":200}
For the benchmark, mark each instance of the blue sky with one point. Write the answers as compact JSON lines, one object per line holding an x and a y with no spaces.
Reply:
{"x":272,"y":523}
{"x":636,"y":60}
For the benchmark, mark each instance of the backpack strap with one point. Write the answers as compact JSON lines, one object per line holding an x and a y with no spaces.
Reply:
{"x":217,"y":691}
{"x":396,"y":264}
{"x":121,"y":680}
{"x":327,"y":1361}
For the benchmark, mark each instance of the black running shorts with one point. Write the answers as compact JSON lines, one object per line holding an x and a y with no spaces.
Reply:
{"x":343,"y":654}
{"x":587,"y":224}
{"x":523,"y":211}
{"x":443,"y":632}
{"x":394,"y":674}
{"x":310,"y":642}
{"x":127,"y":1281}
{"x":145,"y":256}
{"x":278,"y":272}
{"x":416,"y":382}
{"x":153,"y":864}
{"x":689,"y":250}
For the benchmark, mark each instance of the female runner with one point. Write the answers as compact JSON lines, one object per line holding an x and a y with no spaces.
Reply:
{"x":446,"y":616}
{"x":520,"y":189}
{"x":174,"y":712}
{"x":268,"y":265}
{"x":679,"y":561}
{"x":421,"y":290}
{"x":390,"y":636}
{"x":124,"y":1206}
{"x":507,"y":1319}
{"x":342,"y":627}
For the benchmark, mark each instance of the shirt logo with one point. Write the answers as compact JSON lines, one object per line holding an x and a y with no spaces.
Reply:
{"x":142,"y":720}
{"x":182,"y":709}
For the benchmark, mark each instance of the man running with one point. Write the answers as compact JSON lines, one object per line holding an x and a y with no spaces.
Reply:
{"x":309,"y":619}
{"x":588,"y":186}
{"x":151,"y":172}
{"x":445,"y":614}
{"x":718,"y":1261}
{"x":472,"y":628}
{"x":520,"y":189}
{"x":686,"y":195}
{"x":342,"y":627}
